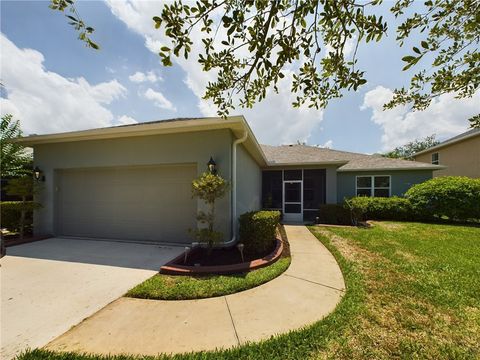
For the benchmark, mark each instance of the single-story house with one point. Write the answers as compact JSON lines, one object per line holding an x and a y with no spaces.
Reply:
{"x":133,"y":182}
{"x":460,"y":154}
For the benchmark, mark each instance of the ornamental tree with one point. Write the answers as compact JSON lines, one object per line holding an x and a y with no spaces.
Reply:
{"x":209,"y":188}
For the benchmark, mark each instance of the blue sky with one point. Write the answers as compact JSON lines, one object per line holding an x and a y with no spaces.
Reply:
{"x":54,"y":83}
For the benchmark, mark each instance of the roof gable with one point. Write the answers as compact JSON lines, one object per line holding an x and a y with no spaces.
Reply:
{"x":461,"y":137}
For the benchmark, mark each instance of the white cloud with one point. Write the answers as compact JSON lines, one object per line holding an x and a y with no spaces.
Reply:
{"x":273,"y":120}
{"x":45,"y":101}
{"x":328,"y":144}
{"x":140,"y":77}
{"x":159,"y":100}
{"x":347,"y":49}
{"x":125,"y":120}
{"x":445,"y":117}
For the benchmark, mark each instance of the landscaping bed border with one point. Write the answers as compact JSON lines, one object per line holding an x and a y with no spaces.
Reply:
{"x":174,"y":268}
{"x":14,"y":242}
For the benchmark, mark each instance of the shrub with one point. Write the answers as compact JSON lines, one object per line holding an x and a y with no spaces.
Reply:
{"x":455,"y":197}
{"x":11,"y":214}
{"x":334,"y":214}
{"x":258,"y":231}
{"x":379,"y":208}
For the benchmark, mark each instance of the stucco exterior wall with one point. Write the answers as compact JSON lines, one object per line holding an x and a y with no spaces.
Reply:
{"x":331,"y":196}
{"x":461,"y":158}
{"x":401,"y":181}
{"x":143,"y":150}
{"x":249,"y":182}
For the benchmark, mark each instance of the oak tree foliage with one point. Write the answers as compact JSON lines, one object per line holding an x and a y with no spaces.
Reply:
{"x":408,"y":150}
{"x":251,"y":45}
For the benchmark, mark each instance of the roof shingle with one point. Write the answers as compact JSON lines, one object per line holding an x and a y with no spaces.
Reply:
{"x":302,"y":154}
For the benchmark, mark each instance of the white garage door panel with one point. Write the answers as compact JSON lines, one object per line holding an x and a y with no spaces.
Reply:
{"x":137,"y":203}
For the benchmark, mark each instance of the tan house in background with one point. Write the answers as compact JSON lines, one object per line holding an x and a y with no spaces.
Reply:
{"x":460,"y":154}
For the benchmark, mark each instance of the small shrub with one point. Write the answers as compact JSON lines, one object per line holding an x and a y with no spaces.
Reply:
{"x":334,"y":214}
{"x":379,"y":208}
{"x":454,"y":197}
{"x":11,"y":215}
{"x":258,"y":231}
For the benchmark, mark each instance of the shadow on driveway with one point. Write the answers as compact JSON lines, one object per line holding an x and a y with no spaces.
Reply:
{"x":98,"y":252}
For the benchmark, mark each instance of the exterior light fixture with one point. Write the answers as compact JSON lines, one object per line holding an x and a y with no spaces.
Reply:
{"x":212,"y":166}
{"x":38,"y":174}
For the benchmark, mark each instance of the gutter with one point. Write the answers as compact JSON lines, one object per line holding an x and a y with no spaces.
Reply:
{"x":234,"y":239}
{"x":429,"y":168}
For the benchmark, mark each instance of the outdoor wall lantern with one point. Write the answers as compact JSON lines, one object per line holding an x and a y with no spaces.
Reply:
{"x":38,"y":174}
{"x":212,"y":166}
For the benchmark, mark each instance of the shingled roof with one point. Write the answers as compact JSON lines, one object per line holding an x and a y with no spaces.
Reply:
{"x":348,"y":161}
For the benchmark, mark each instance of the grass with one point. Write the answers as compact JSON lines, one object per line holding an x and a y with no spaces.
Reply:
{"x":165,"y":287}
{"x":412,"y":293}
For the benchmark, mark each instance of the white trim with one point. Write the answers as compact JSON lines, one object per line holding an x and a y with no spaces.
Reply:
{"x":372,"y":187}
{"x":236,"y":124}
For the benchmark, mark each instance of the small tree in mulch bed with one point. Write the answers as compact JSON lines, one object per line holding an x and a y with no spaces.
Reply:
{"x":209,"y":188}
{"x":23,"y":187}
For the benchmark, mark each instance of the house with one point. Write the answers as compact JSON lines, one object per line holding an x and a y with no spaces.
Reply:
{"x":460,"y":155}
{"x":133,"y":182}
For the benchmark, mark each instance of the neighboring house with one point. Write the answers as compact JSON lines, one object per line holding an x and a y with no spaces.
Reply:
{"x":460,"y":155}
{"x":134,"y":181}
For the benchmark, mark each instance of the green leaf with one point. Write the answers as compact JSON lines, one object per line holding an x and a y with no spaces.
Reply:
{"x":165,"y":49}
{"x":408,"y":58}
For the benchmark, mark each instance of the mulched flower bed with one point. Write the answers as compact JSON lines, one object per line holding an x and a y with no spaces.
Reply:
{"x":224,"y":256}
{"x":220,"y":261}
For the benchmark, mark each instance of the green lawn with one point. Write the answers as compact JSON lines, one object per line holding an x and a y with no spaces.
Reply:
{"x":413,"y":292}
{"x":165,"y":287}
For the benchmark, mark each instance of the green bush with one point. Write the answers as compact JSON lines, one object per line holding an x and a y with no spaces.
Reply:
{"x":258,"y":231}
{"x":10,"y":213}
{"x":379,"y":208}
{"x":334,"y":214}
{"x":454,"y":197}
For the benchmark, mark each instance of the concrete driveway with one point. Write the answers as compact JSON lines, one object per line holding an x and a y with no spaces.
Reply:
{"x":51,"y":285}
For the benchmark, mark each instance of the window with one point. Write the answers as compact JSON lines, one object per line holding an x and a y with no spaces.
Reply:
{"x":435,"y":158}
{"x":292,"y":175}
{"x":375,"y":185}
{"x":272,"y":189}
{"x":314,"y":191}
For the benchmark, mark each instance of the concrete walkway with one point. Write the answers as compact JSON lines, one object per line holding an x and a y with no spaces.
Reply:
{"x":309,"y":290}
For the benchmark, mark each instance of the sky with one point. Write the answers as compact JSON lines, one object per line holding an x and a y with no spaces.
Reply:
{"x":53,"y":83}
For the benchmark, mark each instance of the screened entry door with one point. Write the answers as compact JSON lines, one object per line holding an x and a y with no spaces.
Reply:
{"x":292,"y":201}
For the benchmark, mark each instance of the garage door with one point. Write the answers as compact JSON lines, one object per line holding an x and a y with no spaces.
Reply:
{"x":151,"y":203}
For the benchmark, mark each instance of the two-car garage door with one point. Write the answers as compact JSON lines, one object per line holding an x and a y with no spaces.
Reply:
{"x":148,"y":203}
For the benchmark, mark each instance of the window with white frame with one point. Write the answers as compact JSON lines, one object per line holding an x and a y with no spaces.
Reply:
{"x":435,"y":158}
{"x":373,"y":185}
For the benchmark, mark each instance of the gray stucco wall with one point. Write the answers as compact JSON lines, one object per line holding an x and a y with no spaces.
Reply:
{"x":331,"y":180}
{"x":143,"y":150}
{"x":249,"y":182}
{"x":401,"y":181}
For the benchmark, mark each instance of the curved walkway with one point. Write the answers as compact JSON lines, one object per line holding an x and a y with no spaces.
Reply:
{"x":309,"y":290}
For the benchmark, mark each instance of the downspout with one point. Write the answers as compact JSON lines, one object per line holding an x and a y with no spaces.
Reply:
{"x":234,"y":189}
